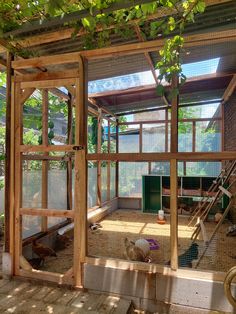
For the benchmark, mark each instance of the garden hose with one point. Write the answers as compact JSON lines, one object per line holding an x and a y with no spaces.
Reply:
{"x":227,"y":285}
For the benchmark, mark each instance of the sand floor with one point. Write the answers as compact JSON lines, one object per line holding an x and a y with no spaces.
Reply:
{"x":133,"y":224}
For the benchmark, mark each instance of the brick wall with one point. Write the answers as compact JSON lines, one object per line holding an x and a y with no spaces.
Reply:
{"x":230,"y":138}
{"x":230,"y":123}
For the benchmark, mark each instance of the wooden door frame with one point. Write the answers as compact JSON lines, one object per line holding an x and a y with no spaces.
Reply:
{"x":21,"y":267}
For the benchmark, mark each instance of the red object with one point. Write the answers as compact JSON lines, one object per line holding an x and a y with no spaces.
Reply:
{"x":161,"y":222}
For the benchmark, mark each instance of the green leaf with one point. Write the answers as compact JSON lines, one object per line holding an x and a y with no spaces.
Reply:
{"x":160,"y":90}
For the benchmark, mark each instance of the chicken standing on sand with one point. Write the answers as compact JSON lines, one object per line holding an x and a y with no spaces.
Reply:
{"x":42,"y":250}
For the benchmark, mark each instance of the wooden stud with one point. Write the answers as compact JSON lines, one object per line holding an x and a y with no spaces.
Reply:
{"x":99,"y":166}
{"x":80,"y":207}
{"x":8,"y":153}
{"x":174,"y":179}
{"x":140,"y":138}
{"x":18,"y":178}
{"x":174,"y":213}
{"x":69,"y":162}
{"x":194,"y":136}
{"x":109,"y":162}
{"x":166,"y":131}
{"x":44,"y":200}
{"x":117,"y":162}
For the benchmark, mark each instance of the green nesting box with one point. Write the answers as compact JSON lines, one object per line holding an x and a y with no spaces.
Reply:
{"x":151,"y":199}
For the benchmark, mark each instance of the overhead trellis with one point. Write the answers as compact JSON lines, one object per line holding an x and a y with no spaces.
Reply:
{"x":109,"y":17}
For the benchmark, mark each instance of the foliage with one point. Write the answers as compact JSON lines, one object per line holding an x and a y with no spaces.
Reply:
{"x":104,"y":19}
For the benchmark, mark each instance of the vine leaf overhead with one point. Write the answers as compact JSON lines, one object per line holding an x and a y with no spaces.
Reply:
{"x":97,"y":20}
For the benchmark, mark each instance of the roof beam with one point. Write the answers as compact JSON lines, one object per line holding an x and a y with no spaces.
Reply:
{"x":52,"y":36}
{"x":149,"y":61}
{"x":128,"y":49}
{"x":133,"y":90}
{"x":229,"y":90}
{"x":95,"y":103}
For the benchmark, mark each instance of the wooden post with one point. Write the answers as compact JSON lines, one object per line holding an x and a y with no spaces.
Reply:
{"x":18,"y":128}
{"x":44,"y":201}
{"x":166,"y":130}
{"x":117,"y":162}
{"x":140,"y":137}
{"x":69,"y":162}
{"x":8,"y":237}
{"x":174,"y":179}
{"x":108,"y":163}
{"x":194,"y":136}
{"x":80,"y":206}
{"x":99,"y":163}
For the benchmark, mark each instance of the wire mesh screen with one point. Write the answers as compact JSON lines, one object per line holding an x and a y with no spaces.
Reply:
{"x":208,"y":136}
{"x":92,"y":184}
{"x":130,"y":178}
{"x":154,"y":137}
{"x":129,"y":140}
{"x":113,"y":180}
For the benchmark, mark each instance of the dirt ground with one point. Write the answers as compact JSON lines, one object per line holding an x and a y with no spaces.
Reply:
{"x":133,"y":224}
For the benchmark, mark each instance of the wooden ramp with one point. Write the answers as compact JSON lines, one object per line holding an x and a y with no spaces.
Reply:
{"x":31,"y":298}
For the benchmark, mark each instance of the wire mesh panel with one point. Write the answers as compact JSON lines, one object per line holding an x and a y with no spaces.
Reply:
{"x":130,"y":178}
{"x":92,"y":184}
{"x":129,"y":139}
{"x":208,"y":136}
{"x":185,"y":137}
{"x":113,"y":180}
{"x":154,"y":137}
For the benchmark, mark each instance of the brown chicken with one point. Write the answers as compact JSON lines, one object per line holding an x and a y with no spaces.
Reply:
{"x":42,"y":250}
{"x":62,"y":242}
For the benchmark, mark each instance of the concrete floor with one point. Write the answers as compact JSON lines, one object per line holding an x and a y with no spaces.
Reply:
{"x":22,"y":297}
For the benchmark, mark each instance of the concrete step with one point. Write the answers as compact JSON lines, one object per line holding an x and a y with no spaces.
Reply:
{"x":178,"y":309}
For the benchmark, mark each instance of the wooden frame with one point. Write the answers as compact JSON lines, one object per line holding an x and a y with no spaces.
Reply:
{"x":78,"y":78}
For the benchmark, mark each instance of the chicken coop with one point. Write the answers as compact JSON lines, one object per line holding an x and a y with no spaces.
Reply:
{"x":109,"y":156}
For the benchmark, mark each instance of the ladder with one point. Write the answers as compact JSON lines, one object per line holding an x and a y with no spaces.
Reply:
{"x":204,"y":206}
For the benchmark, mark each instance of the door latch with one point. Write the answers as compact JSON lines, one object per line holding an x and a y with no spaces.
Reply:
{"x":78,"y":147}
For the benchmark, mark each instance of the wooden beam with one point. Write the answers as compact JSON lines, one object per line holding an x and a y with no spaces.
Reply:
{"x":149,"y":61}
{"x":49,"y":148}
{"x":69,"y":186}
{"x":44,"y":186}
{"x":48,"y":83}
{"x":95,"y":103}
{"x":134,"y":48}
{"x":45,"y":76}
{"x":145,"y":88}
{"x":154,"y":45}
{"x":174,"y":213}
{"x":18,"y":179}
{"x":25,"y":95}
{"x":99,"y":164}
{"x":43,"y":212}
{"x":229,"y":90}
{"x":117,"y":162}
{"x":197,"y":156}
{"x":174,"y":177}
{"x":8,"y":233}
{"x":80,"y":205}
